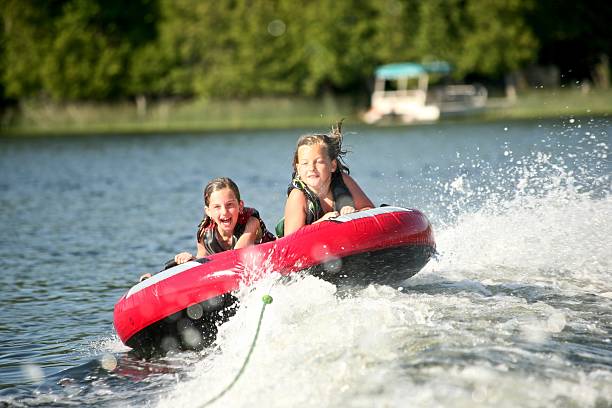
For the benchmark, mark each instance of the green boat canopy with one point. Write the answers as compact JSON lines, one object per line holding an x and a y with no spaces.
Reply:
{"x":411,"y":69}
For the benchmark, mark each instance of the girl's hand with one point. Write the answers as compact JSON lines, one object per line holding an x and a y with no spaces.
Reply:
{"x":183,"y":257}
{"x":347,"y":209}
{"x":145,"y":276}
{"x":331,"y":214}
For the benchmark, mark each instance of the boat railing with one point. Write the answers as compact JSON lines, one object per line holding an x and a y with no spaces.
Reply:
{"x":409,"y":104}
{"x":459,"y":97}
{"x":404,"y":97}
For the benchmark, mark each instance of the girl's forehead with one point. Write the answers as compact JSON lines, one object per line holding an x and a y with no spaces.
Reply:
{"x":312,"y":150}
{"x":223,"y":195}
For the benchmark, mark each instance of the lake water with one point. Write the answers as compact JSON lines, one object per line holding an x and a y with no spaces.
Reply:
{"x":515,"y":311}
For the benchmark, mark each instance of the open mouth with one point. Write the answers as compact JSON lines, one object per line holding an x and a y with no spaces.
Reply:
{"x":226,"y":222}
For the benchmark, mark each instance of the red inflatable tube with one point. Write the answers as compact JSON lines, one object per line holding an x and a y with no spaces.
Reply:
{"x":181,"y":307}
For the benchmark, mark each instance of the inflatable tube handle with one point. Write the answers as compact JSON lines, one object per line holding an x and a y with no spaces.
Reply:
{"x":169,"y":264}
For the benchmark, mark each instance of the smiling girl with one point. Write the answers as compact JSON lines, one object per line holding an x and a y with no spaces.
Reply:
{"x":321,"y":187}
{"x":227,"y":223}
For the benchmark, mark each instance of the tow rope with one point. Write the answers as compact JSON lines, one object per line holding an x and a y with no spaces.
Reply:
{"x":266,"y":299}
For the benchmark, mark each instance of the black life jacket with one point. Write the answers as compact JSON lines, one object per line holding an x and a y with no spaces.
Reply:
{"x":207,"y":235}
{"x":340,"y":192}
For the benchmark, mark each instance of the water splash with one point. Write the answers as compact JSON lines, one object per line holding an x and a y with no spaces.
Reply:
{"x":540,"y":217}
{"x":512,"y":313}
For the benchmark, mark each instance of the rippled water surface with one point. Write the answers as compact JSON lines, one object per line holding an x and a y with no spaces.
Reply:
{"x":515,"y":311}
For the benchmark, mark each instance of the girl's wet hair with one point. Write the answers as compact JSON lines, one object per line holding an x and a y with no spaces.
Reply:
{"x":333,"y":145}
{"x":219,"y":184}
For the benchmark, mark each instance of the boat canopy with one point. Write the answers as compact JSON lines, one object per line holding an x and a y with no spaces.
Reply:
{"x":411,"y":69}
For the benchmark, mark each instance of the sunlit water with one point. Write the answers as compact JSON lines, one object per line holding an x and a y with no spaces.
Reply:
{"x":515,"y":311}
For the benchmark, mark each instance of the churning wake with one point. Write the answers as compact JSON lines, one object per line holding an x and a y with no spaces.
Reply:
{"x":515,"y":310}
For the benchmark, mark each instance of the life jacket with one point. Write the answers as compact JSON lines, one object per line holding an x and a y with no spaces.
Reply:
{"x":206,"y":231}
{"x":340,"y":192}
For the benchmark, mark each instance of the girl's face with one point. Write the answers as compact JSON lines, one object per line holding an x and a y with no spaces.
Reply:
{"x":223,"y":207}
{"x":315,"y":167}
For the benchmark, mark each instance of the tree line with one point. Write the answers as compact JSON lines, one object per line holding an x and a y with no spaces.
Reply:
{"x":72,"y":50}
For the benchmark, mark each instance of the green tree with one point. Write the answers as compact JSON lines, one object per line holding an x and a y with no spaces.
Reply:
{"x":438,"y":35}
{"x":168,"y":65}
{"x":251,"y":57}
{"x":575,"y":36}
{"x":72,"y":49}
{"x":26,"y":27}
{"x":395,"y":26}
{"x":496,"y":38}
{"x":83,"y":63}
{"x":335,"y":40}
{"x":245,"y":48}
{"x":105,"y":49}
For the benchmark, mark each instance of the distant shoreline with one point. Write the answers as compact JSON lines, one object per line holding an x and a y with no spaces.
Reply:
{"x":171,"y":117}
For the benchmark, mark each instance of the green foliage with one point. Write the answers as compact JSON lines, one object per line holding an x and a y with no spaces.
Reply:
{"x":577,"y":38}
{"x":82,"y":61}
{"x":438,"y":32}
{"x":71,"y":50}
{"x":496,"y":38}
{"x":25,"y":41}
{"x":165,"y":65}
{"x":108,"y":49}
{"x":395,"y":25}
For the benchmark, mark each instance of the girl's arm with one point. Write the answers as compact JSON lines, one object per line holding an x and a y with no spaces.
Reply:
{"x":201,"y":251}
{"x":361,"y":200}
{"x":186,"y":256}
{"x":250,"y":234}
{"x":295,"y":211}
